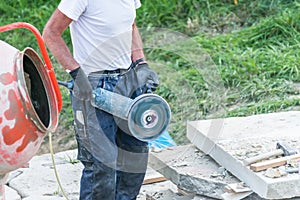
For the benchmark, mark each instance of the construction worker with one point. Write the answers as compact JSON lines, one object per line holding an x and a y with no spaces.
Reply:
{"x":105,"y":43}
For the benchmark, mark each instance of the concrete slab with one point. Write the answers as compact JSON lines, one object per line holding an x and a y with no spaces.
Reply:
{"x":11,"y":194}
{"x":229,"y":141}
{"x":166,"y":195}
{"x":191,"y":170}
{"x":38,"y":181}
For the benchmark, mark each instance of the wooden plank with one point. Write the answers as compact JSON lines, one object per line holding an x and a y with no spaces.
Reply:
{"x":153,"y":176}
{"x":273,"y":163}
{"x":261,"y":157}
{"x":154,"y":180}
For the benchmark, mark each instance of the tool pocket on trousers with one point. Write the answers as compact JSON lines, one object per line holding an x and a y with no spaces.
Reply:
{"x":82,"y":137}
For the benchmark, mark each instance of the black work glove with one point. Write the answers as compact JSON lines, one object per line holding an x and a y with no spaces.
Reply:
{"x":82,"y":88}
{"x":147,"y":76}
{"x":138,"y":80}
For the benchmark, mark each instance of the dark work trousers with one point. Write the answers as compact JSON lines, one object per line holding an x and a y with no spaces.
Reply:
{"x":114,"y":161}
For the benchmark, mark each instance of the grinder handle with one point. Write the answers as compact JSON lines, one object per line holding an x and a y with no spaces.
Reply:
{"x":251,"y":160}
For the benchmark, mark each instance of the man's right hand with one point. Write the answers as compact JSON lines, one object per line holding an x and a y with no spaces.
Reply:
{"x":82,"y":88}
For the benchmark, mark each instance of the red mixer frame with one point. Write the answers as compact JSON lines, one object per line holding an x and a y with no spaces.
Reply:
{"x":44,"y":53}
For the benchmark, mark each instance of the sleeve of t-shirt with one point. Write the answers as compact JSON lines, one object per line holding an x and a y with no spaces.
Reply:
{"x":72,"y":9}
{"x":137,"y":4}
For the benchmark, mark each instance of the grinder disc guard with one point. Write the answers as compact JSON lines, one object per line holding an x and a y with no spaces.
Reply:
{"x":148,"y":117}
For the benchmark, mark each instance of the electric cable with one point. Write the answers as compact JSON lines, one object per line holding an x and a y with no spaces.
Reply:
{"x":54,"y":166}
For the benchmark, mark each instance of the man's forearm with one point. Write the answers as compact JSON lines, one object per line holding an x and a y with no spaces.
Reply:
{"x":61,"y":52}
{"x":52,"y":36}
{"x":137,"y":45}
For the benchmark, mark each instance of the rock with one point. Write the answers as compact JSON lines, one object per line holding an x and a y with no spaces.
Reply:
{"x":274,"y":173}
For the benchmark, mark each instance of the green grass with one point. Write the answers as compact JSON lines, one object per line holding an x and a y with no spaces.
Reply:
{"x":237,"y":60}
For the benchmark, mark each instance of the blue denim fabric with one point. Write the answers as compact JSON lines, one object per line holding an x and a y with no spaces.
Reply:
{"x":114,"y":161}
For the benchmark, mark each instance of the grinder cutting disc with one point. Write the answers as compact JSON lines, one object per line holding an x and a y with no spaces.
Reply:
{"x":148,"y":117}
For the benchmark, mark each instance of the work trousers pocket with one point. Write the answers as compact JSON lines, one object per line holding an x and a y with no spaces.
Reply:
{"x":81,"y":130}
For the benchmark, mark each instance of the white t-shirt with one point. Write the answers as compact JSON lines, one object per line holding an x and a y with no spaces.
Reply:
{"x":101,"y":32}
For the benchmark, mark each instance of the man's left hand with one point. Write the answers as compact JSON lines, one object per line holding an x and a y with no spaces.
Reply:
{"x":147,"y":76}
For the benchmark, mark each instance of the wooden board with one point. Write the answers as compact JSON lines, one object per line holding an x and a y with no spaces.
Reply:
{"x":153,"y":176}
{"x":273,"y":163}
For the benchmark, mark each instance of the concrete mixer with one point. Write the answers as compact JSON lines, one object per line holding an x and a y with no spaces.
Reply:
{"x":30,"y":102}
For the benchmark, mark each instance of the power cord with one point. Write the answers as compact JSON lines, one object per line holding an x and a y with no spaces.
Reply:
{"x":54,"y":166}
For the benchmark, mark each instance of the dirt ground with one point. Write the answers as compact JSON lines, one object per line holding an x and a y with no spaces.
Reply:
{"x":62,"y":139}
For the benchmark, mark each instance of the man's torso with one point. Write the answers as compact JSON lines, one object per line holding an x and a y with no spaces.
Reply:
{"x":101,"y":32}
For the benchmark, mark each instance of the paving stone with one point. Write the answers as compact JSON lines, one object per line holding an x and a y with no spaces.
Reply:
{"x":167,"y":195}
{"x":229,"y":141}
{"x":191,"y":170}
{"x":11,"y":194}
{"x":39,"y":197}
{"x":38,"y":181}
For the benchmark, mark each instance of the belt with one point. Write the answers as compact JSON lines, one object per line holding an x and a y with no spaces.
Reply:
{"x":112,"y":72}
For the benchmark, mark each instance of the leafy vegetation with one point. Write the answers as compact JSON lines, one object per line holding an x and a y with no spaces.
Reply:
{"x":232,"y":59}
